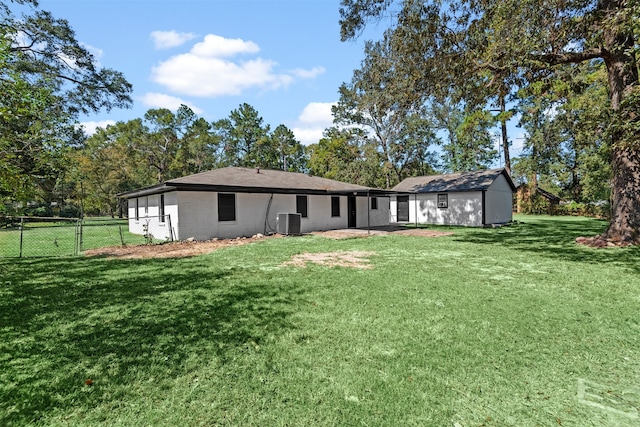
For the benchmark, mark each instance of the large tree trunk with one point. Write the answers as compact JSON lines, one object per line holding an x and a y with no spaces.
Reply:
{"x":622,"y":72}
{"x":624,"y":227}
{"x":505,"y":139}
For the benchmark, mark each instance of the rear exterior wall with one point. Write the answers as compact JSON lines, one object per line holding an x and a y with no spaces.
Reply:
{"x":499,"y":202}
{"x":195,"y":214}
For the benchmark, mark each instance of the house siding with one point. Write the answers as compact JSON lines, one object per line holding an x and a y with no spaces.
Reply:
{"x":149,"y":216}
{"x":473,"y":198}
{"x":499,"y":202}
{"x":195,"y":214}
{"x":464,"y":208}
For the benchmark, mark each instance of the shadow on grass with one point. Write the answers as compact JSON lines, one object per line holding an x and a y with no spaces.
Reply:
{"x":64,"y":321}
{"x":555,"y":237}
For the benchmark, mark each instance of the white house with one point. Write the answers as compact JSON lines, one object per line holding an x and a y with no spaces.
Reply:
{"x":470,"y":198}
{"x":234,"y":202}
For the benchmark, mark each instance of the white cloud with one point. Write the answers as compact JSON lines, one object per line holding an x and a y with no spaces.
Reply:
{"x":169,"y":39}
{"x":90,"y":127}
{"x":314,"y":119}
{"x":160,"y":100}
{"x":317,"y":113}
{"x":207,"y":70}
{"x":308,"y":74}
{"x":215,"y":46}
{"x":308,"y":136}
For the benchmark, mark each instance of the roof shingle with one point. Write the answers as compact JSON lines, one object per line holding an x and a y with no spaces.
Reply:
{"x":454,"y":182}
{"x":232,"y":179}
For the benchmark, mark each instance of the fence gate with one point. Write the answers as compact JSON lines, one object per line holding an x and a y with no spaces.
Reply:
{"x":39,"y":237}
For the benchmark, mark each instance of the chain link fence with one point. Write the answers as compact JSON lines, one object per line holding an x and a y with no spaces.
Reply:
{"x":56,"y":237}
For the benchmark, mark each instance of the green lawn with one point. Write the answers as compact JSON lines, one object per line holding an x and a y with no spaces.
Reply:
{"x":516,"y":326}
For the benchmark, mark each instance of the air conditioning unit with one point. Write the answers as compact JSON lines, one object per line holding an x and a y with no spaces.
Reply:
{"x":288,"y":223}
{"x":442,"y":204}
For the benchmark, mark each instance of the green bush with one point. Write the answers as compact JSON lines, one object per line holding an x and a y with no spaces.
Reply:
{"x":41,"y":210}
{"x":70,"y":211}
{"x":596,"y":210}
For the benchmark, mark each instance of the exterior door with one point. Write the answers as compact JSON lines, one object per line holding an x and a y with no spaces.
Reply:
{"x":403,"y":209}
{"x":351,"y":211}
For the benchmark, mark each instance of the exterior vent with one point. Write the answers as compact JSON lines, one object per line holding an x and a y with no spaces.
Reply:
{"x":288,"y":223}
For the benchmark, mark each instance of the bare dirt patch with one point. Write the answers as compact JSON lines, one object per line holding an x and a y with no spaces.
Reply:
{"x":423,"y":233}
{"x":353,"y":259}
{"x":168,"y":250}
{"x":350,"y":233}
{"x":193,"y":248}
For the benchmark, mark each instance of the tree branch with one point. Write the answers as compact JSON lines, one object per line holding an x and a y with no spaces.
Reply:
{"x":568,"y":57}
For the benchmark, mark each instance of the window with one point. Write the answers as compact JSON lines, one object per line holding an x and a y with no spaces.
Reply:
{"x":137,"y":209}
{"x":301,"y":205}
{"x":335,"y":206}
{"x":374,"y":203}
{"x":226,"y":207}
{"x":443,"y":201}
{"x":161,"y":208}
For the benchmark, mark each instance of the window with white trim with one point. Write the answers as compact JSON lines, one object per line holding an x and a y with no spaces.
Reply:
{"x":443,"y":201}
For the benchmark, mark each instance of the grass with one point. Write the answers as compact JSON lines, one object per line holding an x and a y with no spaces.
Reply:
{"x":489,"y":327}
{"x":58,"y":239}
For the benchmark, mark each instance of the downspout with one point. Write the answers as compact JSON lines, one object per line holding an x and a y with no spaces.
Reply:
{"x":484,"y":211}
{"x":266,"y":215}
{"x":368,"y":212}
{"x":415,"y":201}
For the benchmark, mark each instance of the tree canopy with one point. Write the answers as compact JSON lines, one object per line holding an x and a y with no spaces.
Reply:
{"x":487,"y":46}
{"x":47,"y":79}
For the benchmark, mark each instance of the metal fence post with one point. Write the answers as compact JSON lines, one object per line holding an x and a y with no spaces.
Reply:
{"x":76,"y":245}
{"x":21,"y":231}
{"x":80,"y":236}
{"x":170,"y":228}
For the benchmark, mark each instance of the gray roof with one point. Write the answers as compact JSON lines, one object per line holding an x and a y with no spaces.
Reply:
{"x":237,"y":179}
{"x":454,"y":182}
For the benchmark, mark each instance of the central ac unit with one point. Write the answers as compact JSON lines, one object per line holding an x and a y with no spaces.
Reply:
{"x":288,"y":223}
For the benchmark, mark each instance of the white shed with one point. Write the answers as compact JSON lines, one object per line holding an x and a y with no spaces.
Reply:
{"x":477,"y":199}
{"x":235,"y":202}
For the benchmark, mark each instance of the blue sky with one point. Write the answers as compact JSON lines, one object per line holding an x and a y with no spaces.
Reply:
{"x":283,"y":57}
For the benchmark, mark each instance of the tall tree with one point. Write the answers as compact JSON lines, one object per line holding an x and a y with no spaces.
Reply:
{"x":467,"y":142}
{"x":526,"y":38}
{"x":376,"y":100}
{"x":566,"y":119}
{"x":161,"y":146}
{"x":347,"y":155}
{"x":200,"y":149}
{"x":46,"y":79}
{"x":244,"y":138}
{"x":44,"y":51}
{"x":108,"y":164}
{"x":290,"y":152}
